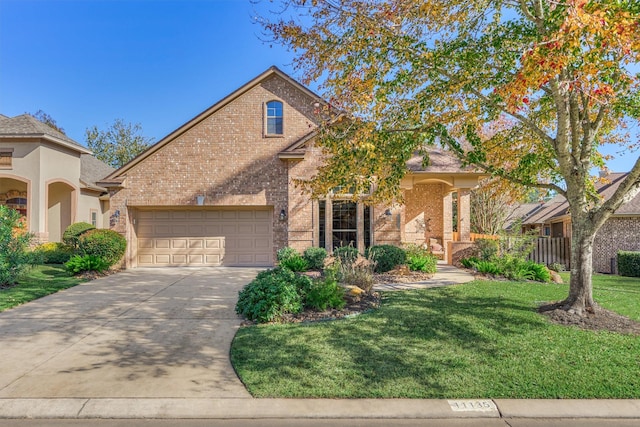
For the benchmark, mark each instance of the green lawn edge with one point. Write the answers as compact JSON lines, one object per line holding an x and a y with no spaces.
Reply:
{"x":37,"y":282}
{"x":483,"y":339}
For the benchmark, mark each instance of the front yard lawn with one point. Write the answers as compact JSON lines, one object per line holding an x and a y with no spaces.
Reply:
{"x":483,"y":339}
{"x":40,"y":281}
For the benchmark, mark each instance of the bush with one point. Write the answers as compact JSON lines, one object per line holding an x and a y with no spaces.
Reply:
{"x":315,"y":257}
{"x":386,"y":257}
{"x":557,"y":267}
{"x":470,"y":262}
{"x":107,"y":244}
{"x":488,"y":267}
{"x":324,"y":294}
{"x":78,"y":264}
{"x":629,"y":263}
{"x":420,"y":259}
{"x":14,"y":241}
{"x":357,"y":273}
{"x":487,"y":248}
{"x":286,"y":253}
{"x":346,"y":254}
{"x":54,"y":252}
{"x":74,"y":231}
{"x":271,"y":295}
{"x":294,"y":263}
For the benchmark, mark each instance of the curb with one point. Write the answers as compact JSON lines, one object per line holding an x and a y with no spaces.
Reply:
{"x":177,"y":408}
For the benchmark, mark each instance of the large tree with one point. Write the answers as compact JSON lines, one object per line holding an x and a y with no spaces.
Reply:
{"x":48,"y":120}
{"x":117,"y":144}
{"x":528,"y":90}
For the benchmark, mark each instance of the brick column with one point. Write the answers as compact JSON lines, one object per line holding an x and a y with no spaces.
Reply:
{"x":464,"y":215}
{"x":447,"y":218}
{"x":360,"y":227}
{"x":328,"y":225}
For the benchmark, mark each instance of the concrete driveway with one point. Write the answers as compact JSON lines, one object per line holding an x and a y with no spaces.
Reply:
{"x":162,"y":332}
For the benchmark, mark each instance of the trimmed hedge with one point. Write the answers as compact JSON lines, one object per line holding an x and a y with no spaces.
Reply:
{"x":629,"y":263}
{"x":74,"y":231}
{"x":106,"y":244}
{"x":315,"y":257}
{"x":54,"y":252}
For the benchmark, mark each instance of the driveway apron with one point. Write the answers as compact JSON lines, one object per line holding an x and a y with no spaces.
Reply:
{"x":161,"y":332}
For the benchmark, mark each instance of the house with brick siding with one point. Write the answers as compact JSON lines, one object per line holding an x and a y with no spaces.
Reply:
{"x":49,"y":178}
{"x":621,"y":232}
{"x":219,"y":190}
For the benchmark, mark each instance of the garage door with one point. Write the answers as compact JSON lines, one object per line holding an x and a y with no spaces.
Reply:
{"x":204,"y":237}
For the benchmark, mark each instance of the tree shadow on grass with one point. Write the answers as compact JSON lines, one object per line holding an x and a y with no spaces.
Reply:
{"x":417,"y":341}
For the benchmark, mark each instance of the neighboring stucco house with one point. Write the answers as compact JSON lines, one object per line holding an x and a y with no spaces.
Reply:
{"x":49,"y":178}
{"x":620,"y":232}
{"x":219,"y":190}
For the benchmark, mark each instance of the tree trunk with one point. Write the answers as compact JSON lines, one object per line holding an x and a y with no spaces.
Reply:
{"x":580,"y":299}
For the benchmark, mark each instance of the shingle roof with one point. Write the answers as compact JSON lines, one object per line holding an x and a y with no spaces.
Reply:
{"x":28,"y":126}
{"x":93,"y":170}
{"x":440,"y":161}
{"x":558,"y":206}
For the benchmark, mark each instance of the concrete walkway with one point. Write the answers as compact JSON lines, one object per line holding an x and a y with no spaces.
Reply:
{"x":445,"y":275}
{"x":154,"y":343}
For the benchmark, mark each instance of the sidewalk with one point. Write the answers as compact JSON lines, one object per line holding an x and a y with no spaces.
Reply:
{"x":445,"y":275}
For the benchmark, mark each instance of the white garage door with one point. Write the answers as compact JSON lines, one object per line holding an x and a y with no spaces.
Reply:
{"x":204,"y":237}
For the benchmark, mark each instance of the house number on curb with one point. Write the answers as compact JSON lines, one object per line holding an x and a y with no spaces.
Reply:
{"x":472,"y":405}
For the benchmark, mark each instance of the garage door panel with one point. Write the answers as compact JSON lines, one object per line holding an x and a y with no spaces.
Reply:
{"x":204,"y":237}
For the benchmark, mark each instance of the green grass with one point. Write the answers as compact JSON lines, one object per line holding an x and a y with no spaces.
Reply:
{"x":479,"y":340}
{"x":39,"y":281}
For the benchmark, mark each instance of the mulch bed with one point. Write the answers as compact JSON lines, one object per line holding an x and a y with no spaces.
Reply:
{"x":599,"y":319}
{"x":394,"y":277}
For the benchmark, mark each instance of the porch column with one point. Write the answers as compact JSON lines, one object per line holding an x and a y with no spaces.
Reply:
{"x":447,"y":219}
{"x":464,"y":215}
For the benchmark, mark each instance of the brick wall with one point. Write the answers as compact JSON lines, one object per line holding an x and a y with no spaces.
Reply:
{"x":224,"y":157}
{"x":617,"y":234}
{"x":423,"y":213}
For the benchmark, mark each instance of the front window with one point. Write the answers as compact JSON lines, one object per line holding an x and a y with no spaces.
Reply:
{"x":345,"y":228}
{"x":274,"y":118}
{"x":94,"y":218}
{"x":342,"y":217}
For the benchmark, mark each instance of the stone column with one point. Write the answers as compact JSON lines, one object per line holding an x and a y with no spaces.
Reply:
{"x":360,"y":227}
{"x":447,"y":218}
{"x":464,"y":215}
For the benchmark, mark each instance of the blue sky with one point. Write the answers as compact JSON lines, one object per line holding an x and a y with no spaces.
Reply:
{"x":154,"y":62}
{"x":157,"y":63}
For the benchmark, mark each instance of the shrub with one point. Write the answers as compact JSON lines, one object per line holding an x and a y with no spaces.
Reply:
{"x":14,"y":241}
{"x":386,"y":257}
{"x":74,"y":231}
{"x":357,"y":273}
{"x":294,"y":263}
{"x":324,"y":294}
{"x":487,"y":248}
{"x":557,"y":267}
{"x":346,"y":254}
{"x":78,"y":264}
{"x":487,"y":267}
{"x":286,"y":253}
{"x":629,"y":263}
{"x":271,"y":295}
{"x":54,"y":252}
{"x":107,"y":244}
{"x":540,"y":272}
{"x":315,"y":257}
{"x":420,"y":259}
{"x":470,"y":262}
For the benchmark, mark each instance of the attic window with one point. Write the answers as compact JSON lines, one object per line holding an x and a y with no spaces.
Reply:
{"x":274,"y":118}
{"x":6,"y":155}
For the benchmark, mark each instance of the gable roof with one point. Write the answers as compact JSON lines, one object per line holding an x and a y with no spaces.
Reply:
{"x":27,"y":126}
{"x":558,"y":206}
{"x":116,"y":176}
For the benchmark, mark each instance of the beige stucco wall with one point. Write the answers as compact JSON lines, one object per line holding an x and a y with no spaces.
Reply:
{"x":41,"y":166}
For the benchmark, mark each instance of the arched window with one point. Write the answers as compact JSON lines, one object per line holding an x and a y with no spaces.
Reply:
{"x":274,"y":118}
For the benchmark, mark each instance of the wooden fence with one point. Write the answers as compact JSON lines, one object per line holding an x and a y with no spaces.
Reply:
{"x":475,"y":236}
{"x":548,"y":250}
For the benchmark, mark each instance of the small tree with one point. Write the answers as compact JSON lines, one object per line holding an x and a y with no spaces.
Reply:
{"x":118,"y":144}
{"x":14,"y":241}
